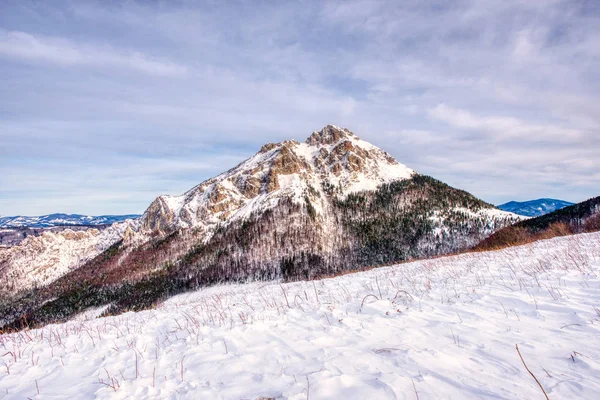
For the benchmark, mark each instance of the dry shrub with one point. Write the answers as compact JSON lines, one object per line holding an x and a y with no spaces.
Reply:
{"x":507,"y":237}
{"x":517,"y":235}
{"x":554,"y":230}
{"x":592,"y":224}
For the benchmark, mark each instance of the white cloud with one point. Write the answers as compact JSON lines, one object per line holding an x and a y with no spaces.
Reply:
{"x":62,"y":52}
{"x":502,"y":128}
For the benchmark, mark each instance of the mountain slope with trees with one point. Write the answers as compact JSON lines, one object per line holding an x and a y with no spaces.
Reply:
{"x":294,"y":211}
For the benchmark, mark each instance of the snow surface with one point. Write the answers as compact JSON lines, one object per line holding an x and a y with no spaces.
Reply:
{"x":445,"y":327}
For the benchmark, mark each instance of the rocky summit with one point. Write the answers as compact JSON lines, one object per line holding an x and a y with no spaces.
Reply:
{"x":332,"y":161}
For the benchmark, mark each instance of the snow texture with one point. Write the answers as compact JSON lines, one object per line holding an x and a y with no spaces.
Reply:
{"x":445,"y":328}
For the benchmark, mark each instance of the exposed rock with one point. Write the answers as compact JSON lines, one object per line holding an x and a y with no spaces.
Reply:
{"x":330,"y":134}
{"x":78,"y":235}
{"x":129,"y":234}
{"x":158,"y":217}
{"x":218,"y":194}
{"x":287,"y":162}
{"x":272,"y":181}
{"x":251,"y":187}
{"x":268,"y":147}
{"x":355,"y":163}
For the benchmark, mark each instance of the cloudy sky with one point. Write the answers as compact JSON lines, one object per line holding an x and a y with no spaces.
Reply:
{"x":105,"y":105}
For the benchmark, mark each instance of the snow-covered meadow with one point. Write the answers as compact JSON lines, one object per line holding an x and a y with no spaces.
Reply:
{"x":444,"y":328}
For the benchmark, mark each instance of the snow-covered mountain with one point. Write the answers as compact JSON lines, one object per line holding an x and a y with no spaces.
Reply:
{"x":39,"y":260}
{"x":292,"y":211}
{"x":332,"y":161}
{"x":296,"y":210}
{"x":52,"y":220}
{"x":534,"y":208}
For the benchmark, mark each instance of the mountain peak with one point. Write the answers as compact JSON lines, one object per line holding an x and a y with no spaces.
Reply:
{"x":330,"y":134}
{"x":332,"y":162}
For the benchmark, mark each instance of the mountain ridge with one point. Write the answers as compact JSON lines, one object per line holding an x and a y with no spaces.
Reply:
{"x":534,"y":208}
{"x":62,"y":219}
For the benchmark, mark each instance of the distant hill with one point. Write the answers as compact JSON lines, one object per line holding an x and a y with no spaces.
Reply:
{"x":52,"y":220}
{"x":578,"y":218}
{"x":534,"y":208}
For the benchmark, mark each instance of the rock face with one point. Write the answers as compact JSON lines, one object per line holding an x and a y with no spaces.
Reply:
{"x":159,"y":216}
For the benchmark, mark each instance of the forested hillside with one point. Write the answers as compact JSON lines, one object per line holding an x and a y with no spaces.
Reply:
{"x":403,"y":220}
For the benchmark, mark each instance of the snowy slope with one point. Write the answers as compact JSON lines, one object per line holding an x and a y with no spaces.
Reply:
{"x":50,"y":220}
{"x":445,"y":328}
{"x":534,"y":208}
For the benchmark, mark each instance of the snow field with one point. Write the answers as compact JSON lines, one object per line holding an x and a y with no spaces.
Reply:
{"x":443,"y":328}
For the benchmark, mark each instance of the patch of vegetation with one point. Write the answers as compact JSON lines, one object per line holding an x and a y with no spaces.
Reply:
{"x":112,"y":251}
{"x":312,"y":213}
